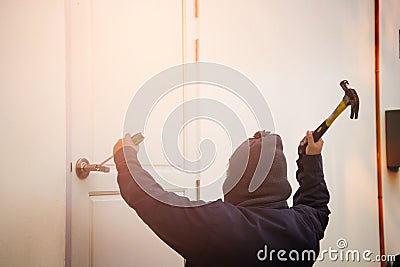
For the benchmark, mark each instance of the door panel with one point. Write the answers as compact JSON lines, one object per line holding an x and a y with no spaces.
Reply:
{"x":113,"y":48}
{"x":113,"y":243}
{"x":131,"y":42}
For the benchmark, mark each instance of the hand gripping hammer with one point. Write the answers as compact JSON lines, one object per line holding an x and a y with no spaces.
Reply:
{"x":350,"y":99}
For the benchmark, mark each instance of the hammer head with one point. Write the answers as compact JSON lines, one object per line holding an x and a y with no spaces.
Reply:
{"x":350,"y":98}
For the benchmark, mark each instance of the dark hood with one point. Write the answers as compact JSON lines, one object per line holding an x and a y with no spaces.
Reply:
{"x":257,"y":173}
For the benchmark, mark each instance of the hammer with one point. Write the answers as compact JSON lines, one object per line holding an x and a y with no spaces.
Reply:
{"x":350,"y":99}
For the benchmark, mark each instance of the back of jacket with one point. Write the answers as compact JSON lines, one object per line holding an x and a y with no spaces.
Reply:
{"x":224,"y":234}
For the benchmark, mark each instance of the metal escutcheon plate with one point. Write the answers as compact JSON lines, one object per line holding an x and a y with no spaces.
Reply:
{"x":80,"y":170}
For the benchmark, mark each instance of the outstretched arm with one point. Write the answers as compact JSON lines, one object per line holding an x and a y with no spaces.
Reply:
{"x":170,"y":216}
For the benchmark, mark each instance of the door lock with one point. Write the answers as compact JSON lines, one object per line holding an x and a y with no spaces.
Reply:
{"x":83,"y":168}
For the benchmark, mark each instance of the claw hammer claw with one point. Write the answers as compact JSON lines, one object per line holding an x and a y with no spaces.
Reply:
{"x":350,"y":98}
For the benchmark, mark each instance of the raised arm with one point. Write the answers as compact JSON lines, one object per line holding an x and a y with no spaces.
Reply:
{"x":313,"y":191}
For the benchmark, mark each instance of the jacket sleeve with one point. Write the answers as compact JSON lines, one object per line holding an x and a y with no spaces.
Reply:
{"x":179,"y":222}
{"x":313,"y":191}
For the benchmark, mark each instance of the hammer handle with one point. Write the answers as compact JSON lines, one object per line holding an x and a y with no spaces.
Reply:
{"x":319,"y":132}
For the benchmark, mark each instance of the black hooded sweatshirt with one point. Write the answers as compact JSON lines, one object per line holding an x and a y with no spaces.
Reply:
{"x":251,"y":227}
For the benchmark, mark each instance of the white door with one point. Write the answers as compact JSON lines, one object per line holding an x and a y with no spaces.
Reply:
{"x":113,"y":47}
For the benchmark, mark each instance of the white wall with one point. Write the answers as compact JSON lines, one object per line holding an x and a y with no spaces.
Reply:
{"x":297,"y":52}
{"x":390,"y":99}
{"x":32,"y":119}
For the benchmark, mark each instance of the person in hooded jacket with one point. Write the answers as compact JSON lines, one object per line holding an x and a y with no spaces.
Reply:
{"x":250,"y":227}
